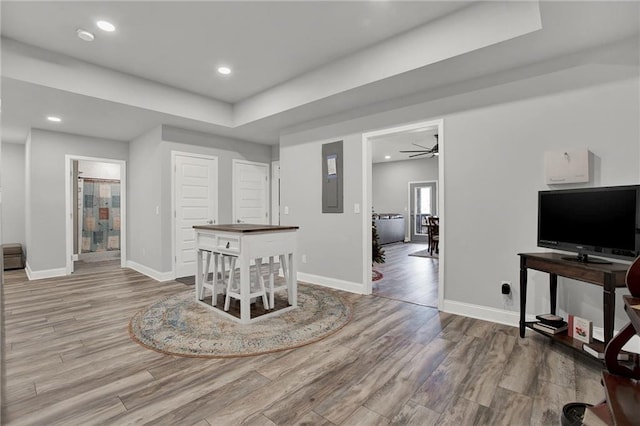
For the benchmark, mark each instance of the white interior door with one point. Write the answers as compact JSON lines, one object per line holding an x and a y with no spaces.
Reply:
{"x":250,"y":192}
{"x":196,"y":203}
{"x":422,"y":204}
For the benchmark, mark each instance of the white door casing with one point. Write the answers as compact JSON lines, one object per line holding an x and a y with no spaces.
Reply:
{"x":275,"y":192}
{"x":70,"y":211}
{"x":250,"y":192}
{"x":368,"y":196}
{"x":195,"y":203}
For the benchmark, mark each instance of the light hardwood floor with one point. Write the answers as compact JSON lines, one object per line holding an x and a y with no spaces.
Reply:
{"x":69,"y":360}
{"x":408,"y":278}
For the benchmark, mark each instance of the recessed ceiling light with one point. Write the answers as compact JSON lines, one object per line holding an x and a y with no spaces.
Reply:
{"x":84,"y":35}
{"x":224,"y":70}
{"x":106,"y":26}
{"x":387,"y":157}
{"x":54,"y":119}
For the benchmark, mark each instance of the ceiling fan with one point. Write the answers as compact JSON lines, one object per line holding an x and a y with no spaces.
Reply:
{"x":425,"y":151}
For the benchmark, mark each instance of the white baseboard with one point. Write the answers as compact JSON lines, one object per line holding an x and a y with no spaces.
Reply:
{"x":156,"y":275}
{"x":502,"y":316}
{"x":46,"y":273}
{"x":632,"y":345}
{"x":331,"y":283}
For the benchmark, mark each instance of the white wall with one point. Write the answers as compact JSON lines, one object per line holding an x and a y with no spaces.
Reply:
{"x":330,"y":241}
{"x":494,"y":141}
{"x":12,"y":176}
{"x":494,"y":168}
{"x":150,"y":233}
{"x":390,"y":182}
{"x":45,"y":192}
{"x":144,"y":242}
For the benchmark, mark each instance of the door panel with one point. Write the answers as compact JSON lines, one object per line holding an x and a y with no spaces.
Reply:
{"x":251,"y":192}
{"x":422,"y":203}
{"x":196,"y":203}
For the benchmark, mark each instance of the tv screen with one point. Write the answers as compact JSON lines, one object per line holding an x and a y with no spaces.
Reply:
{"x":602,"y":221}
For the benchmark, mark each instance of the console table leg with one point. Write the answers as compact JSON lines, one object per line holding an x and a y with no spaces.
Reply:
{"x":523,"y":295}
{"x":609,"y":306}
{"x":553,"y":291}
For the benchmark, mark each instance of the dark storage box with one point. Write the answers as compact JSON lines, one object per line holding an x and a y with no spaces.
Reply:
{"x":13,"y":256}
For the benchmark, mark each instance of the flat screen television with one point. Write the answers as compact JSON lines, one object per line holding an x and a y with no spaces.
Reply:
{"x":601,"y":221}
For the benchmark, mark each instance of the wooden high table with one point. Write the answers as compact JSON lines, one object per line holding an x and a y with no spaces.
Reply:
{"x":247,"y":242}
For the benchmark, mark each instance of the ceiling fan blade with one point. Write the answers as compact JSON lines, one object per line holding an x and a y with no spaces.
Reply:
{"x":420,"y":150}
{"x":423,"y":147}
{"x":417,"y":155}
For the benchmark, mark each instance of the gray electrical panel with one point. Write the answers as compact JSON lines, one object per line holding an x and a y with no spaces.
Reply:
{"x":332,"y":174}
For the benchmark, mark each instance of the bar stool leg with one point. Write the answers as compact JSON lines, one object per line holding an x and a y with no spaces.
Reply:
{"x":272,"y":302}
{"x":214,"y":280}
{"x":205,"y":273}
{"x":231,"y":280}
{"x":283,"y":264}
{"x":265,"y":302}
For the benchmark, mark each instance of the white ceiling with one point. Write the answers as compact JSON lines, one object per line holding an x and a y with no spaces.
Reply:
{"x":293,"y":62}
{"x":411,"y":140}
{"x":181,"y":43}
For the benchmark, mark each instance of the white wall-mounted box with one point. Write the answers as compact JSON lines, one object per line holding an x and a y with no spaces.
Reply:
{"x":566,"y":166}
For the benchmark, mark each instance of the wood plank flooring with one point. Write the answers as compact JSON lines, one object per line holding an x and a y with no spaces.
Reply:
{"x":69,"y":360}
{"x":408,"y":278}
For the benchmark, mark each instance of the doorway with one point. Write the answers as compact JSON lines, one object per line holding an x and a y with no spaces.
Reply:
{"x":423,"y":202}
{"x":96,"y":206}
{"x":405,"y":260}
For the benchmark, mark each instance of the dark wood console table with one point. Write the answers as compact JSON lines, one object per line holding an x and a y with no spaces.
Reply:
{"x":608,"y":276}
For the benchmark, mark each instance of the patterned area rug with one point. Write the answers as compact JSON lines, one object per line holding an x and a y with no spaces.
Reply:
{"x":179,"y":326}
{"x":424,"y":253}
{"x":376,"y":275}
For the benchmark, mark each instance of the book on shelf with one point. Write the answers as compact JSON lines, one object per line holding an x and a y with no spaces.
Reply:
{"x":551,"y":320}
{"x":549,"y":329}
{"x":596,"y":353}
{"x":580,"y":329}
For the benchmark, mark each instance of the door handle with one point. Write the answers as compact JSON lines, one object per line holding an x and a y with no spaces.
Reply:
{"x":210,"y":222}
{"x":239,"y":221}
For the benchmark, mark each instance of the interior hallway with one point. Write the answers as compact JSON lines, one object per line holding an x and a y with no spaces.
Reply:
{"x":408,"y":278}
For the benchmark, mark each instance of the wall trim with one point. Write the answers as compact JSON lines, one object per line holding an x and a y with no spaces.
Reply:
{"x":349,"y":286}
{"x":145,"y":270}
{"x":502,"y":316}
{"x":45,"y":273}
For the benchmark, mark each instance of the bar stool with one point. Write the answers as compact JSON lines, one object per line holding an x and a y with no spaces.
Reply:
{"x":271,"y":287}
{"x":214,"y":285}
{"x":233,"y":287}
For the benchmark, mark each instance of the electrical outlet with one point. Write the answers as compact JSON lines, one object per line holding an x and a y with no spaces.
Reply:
{"x":286,"y":209}
{"x":505,"y":288}
{"x":304,"y":258}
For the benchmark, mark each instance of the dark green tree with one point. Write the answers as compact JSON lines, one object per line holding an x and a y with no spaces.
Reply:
{"x":377,"y":252}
